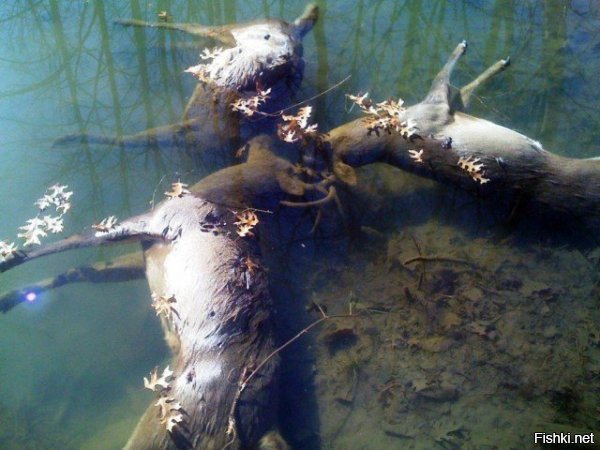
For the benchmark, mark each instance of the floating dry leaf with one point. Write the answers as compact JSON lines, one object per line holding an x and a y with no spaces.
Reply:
{"x":177,"y":190}
{"x":247,"y":220}
{"x":296,"y":127}
{"x":7,"y":251}
{"x":164,"y":305}
{"x":202,"y":71}
{"x":417,"y":156}
{"x":39,"y":227}
{"x":156,"y":381}
{"x":363,"y":101}
{"x":53,"y":224}
{"x":106,"y":224}
{"x":33,"y":231}
{"x":475,"y":170}
{"x":164,"y":16}
{"x":173,"y":419}
{"x":58,"y":196}
{"x":211,"y":54}
{"x":386,"y":116}
{"x":199,"y":71}
{"x":249,"y":105}
{"x":168,"y":407}
{"x":250,"y":265}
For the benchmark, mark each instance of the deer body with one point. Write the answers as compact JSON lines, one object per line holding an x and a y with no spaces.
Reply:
{"x":262,"y":55}
{"x":221,"y":330}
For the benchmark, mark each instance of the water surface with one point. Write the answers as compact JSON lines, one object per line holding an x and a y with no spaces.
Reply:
{"x":514,"y":343}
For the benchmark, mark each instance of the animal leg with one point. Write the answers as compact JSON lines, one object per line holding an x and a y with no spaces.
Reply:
{"x":167,"y":135}
{"x":273,"y":441}
{"x":467,"y":91}
{"x":440,"y":88}
{"x":136,"y":228}
{"x":124,"y":268}
{"x":221,"y":34}
{"x":306,"y":21}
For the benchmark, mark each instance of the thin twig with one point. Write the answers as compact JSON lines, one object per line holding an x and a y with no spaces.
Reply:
{"x":156,"y":189}
{"x":436,"y":259}
{"x":335,"y":86}
{"x":290,"y":341}
{"x":281,"y":111}
{"x":422,"y":274}
{"x":331,"y":194}
{"x":418,"y":247}
{"x":232,"y":423}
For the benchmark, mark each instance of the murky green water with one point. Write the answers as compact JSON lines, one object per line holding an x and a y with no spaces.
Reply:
{"x":447,"y":358}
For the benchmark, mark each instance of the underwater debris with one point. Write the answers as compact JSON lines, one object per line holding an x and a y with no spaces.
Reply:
{"x":340,"y":339}
{"x":155,"y":381}
{"x":482,"y":329}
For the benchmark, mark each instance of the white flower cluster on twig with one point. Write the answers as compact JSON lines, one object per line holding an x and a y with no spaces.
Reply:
{"x":387,"y":116}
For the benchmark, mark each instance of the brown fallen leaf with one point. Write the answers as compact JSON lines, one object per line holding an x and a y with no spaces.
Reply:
{"x":178,"y":190}
{"x":247,"y":220}
{"x":164,"y":305}
{"x":166,"y":406}
{"x":106,"y":224}
{"x":155,"y":381}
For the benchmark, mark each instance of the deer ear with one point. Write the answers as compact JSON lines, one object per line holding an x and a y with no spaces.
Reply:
{"x":290,"y":185}
{"x":345,"y":173}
